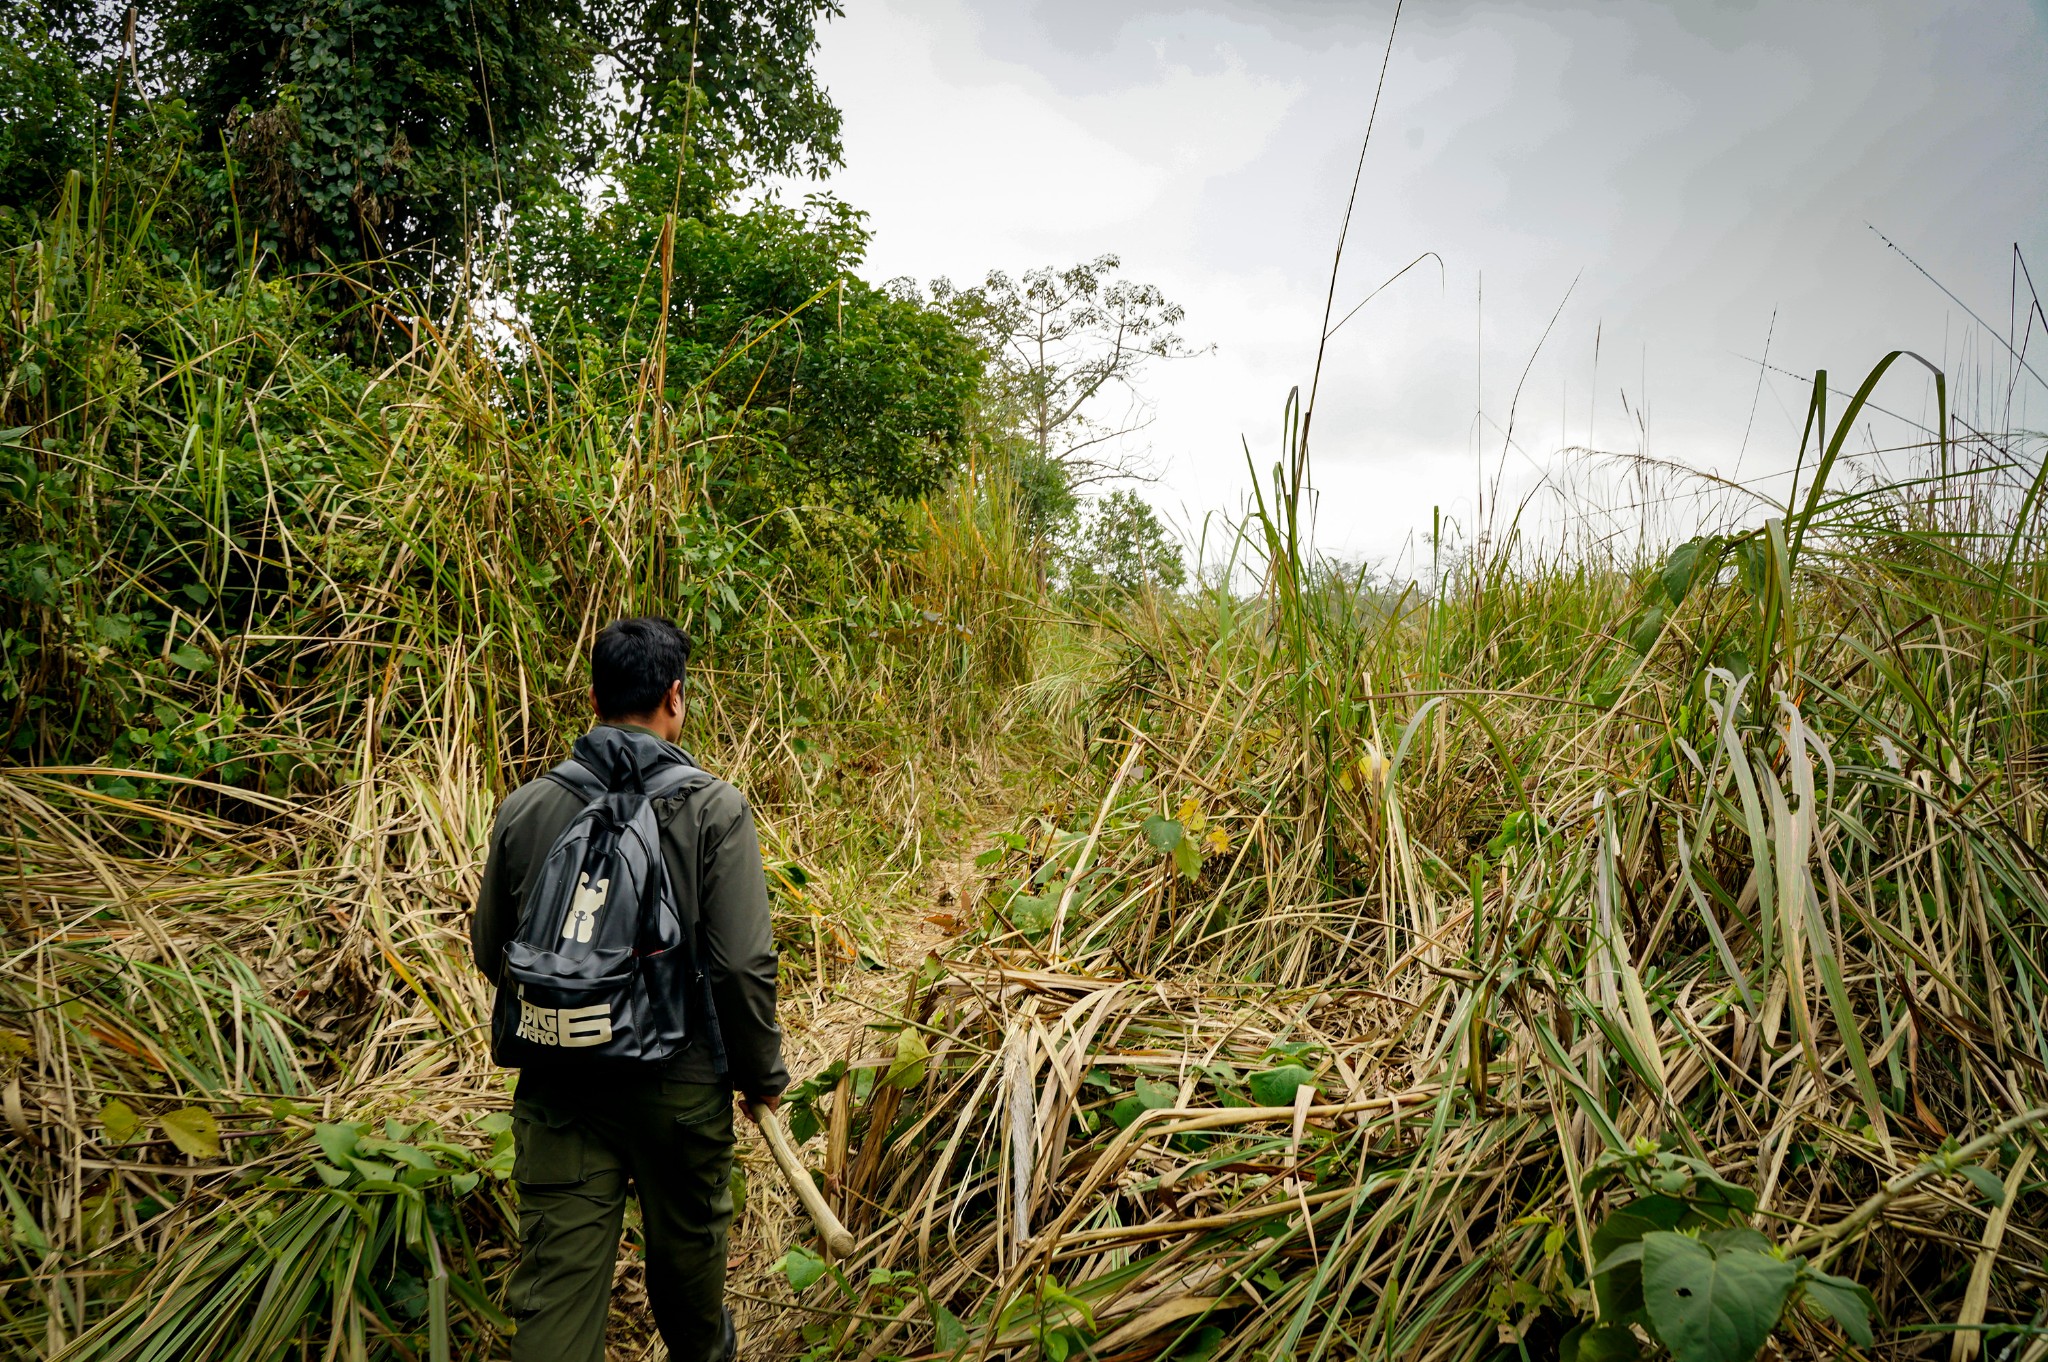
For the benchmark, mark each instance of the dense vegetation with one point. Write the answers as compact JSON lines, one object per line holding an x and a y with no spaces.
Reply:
{"x":1589,"y":956}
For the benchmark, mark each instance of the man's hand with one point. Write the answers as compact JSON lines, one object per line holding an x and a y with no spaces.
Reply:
{"x":747,"y":1104}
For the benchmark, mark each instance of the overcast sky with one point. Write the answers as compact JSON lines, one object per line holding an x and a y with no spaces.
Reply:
{"x":1696,"y":167}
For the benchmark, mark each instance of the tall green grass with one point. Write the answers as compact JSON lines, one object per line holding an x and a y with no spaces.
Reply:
{"x":1590,"y":896}
{"x":1362,"y":959}
{"x":282,"y":629}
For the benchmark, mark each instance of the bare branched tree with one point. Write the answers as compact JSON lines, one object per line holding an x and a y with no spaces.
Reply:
{"x":1063,"y":346}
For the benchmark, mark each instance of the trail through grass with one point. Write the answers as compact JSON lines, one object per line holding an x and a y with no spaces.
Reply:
{"x":1329,"y":970}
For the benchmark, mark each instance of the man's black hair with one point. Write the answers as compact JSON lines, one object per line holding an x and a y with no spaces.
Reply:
{"x":634,"y":662}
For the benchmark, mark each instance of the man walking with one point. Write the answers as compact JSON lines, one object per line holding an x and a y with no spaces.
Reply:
{"x":584,"y":1126}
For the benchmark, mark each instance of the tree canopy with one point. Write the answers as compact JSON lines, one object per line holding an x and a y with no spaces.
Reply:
{"x":344,"y":131}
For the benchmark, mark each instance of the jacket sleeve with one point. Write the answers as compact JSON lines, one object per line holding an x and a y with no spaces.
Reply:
{"x":496,"y":916}
{"x":740,"y":943}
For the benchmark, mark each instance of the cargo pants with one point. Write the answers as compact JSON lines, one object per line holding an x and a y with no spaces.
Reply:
{"x":578,"y":1140}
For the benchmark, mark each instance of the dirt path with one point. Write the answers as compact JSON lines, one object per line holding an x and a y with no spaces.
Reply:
{"x":833,"y":1023}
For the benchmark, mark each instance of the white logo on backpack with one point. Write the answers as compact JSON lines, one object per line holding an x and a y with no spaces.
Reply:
{"x":571,"y":1028}
{"x":584,"y":908}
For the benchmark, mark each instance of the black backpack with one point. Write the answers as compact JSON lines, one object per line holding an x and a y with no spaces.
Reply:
{"x":604,"y":962}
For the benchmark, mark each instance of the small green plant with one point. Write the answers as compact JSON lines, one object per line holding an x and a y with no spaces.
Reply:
{"x":1680,"y":1261}
{"x":1059,"y":1322}
{"x":858,"y":1309}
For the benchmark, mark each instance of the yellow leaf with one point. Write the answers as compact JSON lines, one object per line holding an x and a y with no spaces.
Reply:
{"x":120,"y":1120}
{"x":1191,"y":816}
{"x":194,"y":1131}
{"x":1218,"y":840}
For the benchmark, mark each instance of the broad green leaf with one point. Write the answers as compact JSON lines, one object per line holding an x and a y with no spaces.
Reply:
{"x":338,"y":1139}
{"x":1620,"y":1290}
{"x":1989,"y":1185}
{"x":907,"y":1069}
{"x":1631,"y":1252}
{"x":194,"y":1131}
{"x":1154,"y":1094}
{"x":1720,"y":1241}
{"x":1033,"y":916}
{"x":493,"y":1123}
{"x":1752,"y":558}
{"x":1684,"y":565}
{"x":1605,"y":1342}
{"x":952,"y":1334}
{"x":1163,"y":833}
{"x":1275,"y":1087}
{"x":1717,"y":1199}
{"x":410,"y":1155}
{"x":736,"y":1183}
{"x":803,"y":1121}
{"x":465,"y":1183}
{"x":191,"y":659}
{"x":1708,"y":1306}
{"x":1635,"y":1220}
{"x":1648,"y":627}
{"x":819,"y":1083}
{"x":1187,"y":858}
{"x":120,"y":1121}
{"x":1844,"y":1301}
{"x":1513,"y":827}
{"x":802,"y":1267}
{"x":1147,"y":1096}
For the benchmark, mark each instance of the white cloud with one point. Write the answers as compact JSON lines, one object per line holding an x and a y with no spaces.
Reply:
{"x":1694,"y":169}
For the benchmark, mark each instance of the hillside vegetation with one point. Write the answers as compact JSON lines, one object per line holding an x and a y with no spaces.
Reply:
{"x":1588,"y":956}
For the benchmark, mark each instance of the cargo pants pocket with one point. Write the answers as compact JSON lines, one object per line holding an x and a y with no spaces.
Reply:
{"x":572,"y":1195}
{"x":547,"y":1149}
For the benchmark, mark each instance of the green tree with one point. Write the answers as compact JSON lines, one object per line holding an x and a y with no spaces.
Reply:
{"x":1060,"y":400}
{"x":823,"y":391}
{"x":1064,"y":345}
{"x":1119,"y":544}
{"x":758,"y":107}
{"x":46,"y":112}
{"x":353,"y":130}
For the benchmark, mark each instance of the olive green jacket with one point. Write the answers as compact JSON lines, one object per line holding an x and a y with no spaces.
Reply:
{"x":714,"y":857}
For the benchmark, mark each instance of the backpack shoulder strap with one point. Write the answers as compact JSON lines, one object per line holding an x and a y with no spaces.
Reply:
{"x":670,"y":784}
{"x":669,"y":781}
{"x":578,"y":780}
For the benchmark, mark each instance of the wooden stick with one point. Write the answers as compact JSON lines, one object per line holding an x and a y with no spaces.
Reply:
{"x":835,"y":1235}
